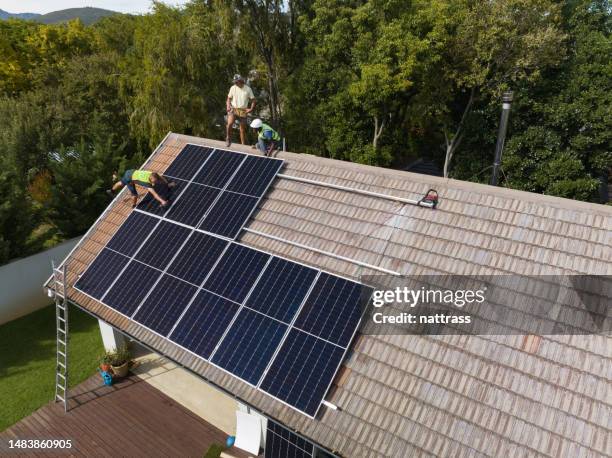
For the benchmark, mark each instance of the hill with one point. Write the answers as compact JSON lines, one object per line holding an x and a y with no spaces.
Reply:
{"x":87,"y":15}
{"x":7,"y":15}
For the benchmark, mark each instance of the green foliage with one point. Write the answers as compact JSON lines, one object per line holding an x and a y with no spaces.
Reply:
{"x":80,"y":176}
{"x":18,"y":218}
{"x":379,"y":82}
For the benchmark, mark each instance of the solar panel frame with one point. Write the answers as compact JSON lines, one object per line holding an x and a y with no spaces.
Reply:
{"x":286,"y":363}
{"x":240,"y":334}
{"x":216,"y":220}
{"x":164,"y":243}
{"x":332,"y":329}
{"x":147,"y":276}
{"x":255,"y":175}
{"x":192,"y":150}
{"x":281,"y":288}
{"x":193,"y":192}
{"x":193,"y":313}
{"x":191,"y":263}
{"x":149,"y":312}
{"x":216,"y":177}
{"x":224,"y":284}
{"x":139,"y":223}
{"x":100,"y":259}
{"x":274,"y":448}
{"x":200,"y":289}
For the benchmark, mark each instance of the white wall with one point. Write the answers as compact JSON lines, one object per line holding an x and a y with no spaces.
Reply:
{"x":21,"y":290}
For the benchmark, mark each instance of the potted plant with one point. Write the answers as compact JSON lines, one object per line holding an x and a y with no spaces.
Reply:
{"x":120,"y":360}
{"x":105,"y":361}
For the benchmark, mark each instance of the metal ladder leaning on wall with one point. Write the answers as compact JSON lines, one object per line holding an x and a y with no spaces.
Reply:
{"x":61,"y":325}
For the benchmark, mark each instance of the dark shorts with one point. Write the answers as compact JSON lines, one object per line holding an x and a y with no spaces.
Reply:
{"x":126,"y":179}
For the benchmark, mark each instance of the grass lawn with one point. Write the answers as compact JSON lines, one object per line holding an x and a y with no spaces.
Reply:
{"x":27,"y":360}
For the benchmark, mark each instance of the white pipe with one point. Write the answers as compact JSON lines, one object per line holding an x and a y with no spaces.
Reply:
{"x":326,"y":253}
{"x":357,"y":191}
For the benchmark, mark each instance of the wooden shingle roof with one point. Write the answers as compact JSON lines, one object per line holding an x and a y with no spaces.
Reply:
{"x":408,"y":395}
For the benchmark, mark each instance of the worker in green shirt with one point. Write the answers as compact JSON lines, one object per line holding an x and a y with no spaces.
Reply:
{"x":267,"y":138}
{"x":154,"y":183}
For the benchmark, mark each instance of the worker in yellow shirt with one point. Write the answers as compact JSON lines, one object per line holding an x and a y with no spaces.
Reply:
{"x":153,"y":182}
{"x":237,"y":105}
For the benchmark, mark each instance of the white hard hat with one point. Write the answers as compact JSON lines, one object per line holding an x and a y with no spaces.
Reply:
{"x":256,"y":124}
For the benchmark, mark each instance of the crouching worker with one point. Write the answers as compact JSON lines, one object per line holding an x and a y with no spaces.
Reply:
{"x":155,"y":184}
{"x":267,"y":138}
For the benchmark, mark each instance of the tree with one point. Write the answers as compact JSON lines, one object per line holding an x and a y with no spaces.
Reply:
{"x":80,"y":176}
{"x":271,"y":27}
{"x":493,"y":46}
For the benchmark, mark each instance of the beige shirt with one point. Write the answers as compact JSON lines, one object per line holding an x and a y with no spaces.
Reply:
{"x":240,"y":97}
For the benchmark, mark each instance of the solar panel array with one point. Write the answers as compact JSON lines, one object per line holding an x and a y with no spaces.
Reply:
{"x":280,"y":326}
{"x":216,"y":191}
{"x":282,"y":443}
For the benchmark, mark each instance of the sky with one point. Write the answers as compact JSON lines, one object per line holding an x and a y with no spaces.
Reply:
{"x":46,"y":6}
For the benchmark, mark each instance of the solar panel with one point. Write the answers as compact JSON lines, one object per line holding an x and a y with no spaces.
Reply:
{"x":193,"y":203}
{"x":219,"y":168}
{"x":282,"y":443}
{"x":276,"y":324}
{"x":150,"y":205}
{"x":165,"y":304}
{"x":197,"y":257}
{"x":134,"y":230}
{"x":101,"y":273}
{"x":228,"y":215}
{"x":131,"y":287}
{"x":302,"y":371}
{"x":255,"y":175}
{"x":333,"y":309}
{"x":236,"y":272}
{"x":281,"y":289}
{"x":162,"y":245}
{"x":204,"y":323}
{"x":249,"y":344}
{"x":188,"y":162}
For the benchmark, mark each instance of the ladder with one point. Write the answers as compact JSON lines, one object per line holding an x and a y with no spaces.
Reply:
{"x":61,"y":325}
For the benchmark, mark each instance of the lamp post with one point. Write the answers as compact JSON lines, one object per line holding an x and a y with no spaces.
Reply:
{"x":501,"y":135}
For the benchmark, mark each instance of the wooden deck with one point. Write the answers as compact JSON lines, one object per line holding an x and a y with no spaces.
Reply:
{"x":131,"y":418}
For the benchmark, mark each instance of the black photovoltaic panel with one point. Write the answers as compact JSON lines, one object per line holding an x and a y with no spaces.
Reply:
{"x":209,"y":278}
{"x":249,"y":344}
{"x":219,"y":168}
{"x":164,"y":243}
{"x":228,"y":215}
{"x":255,"y":175}
{"x":165,"y":304}
{"x":188,"y":161}
{"x":204,"y":323}
{"x":131,"y":288}
{"x":197,"y":257}
{"x":193,"y":203}
{"x":282,"y":443}
{"x":281,"y":289}
{"x":333,"y":309}
{"x":132,"y":233}
{"x":236,"y":272}
{"x":302,"y":371}
{"x":101,"y":273}
{"x":150,"y":205}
